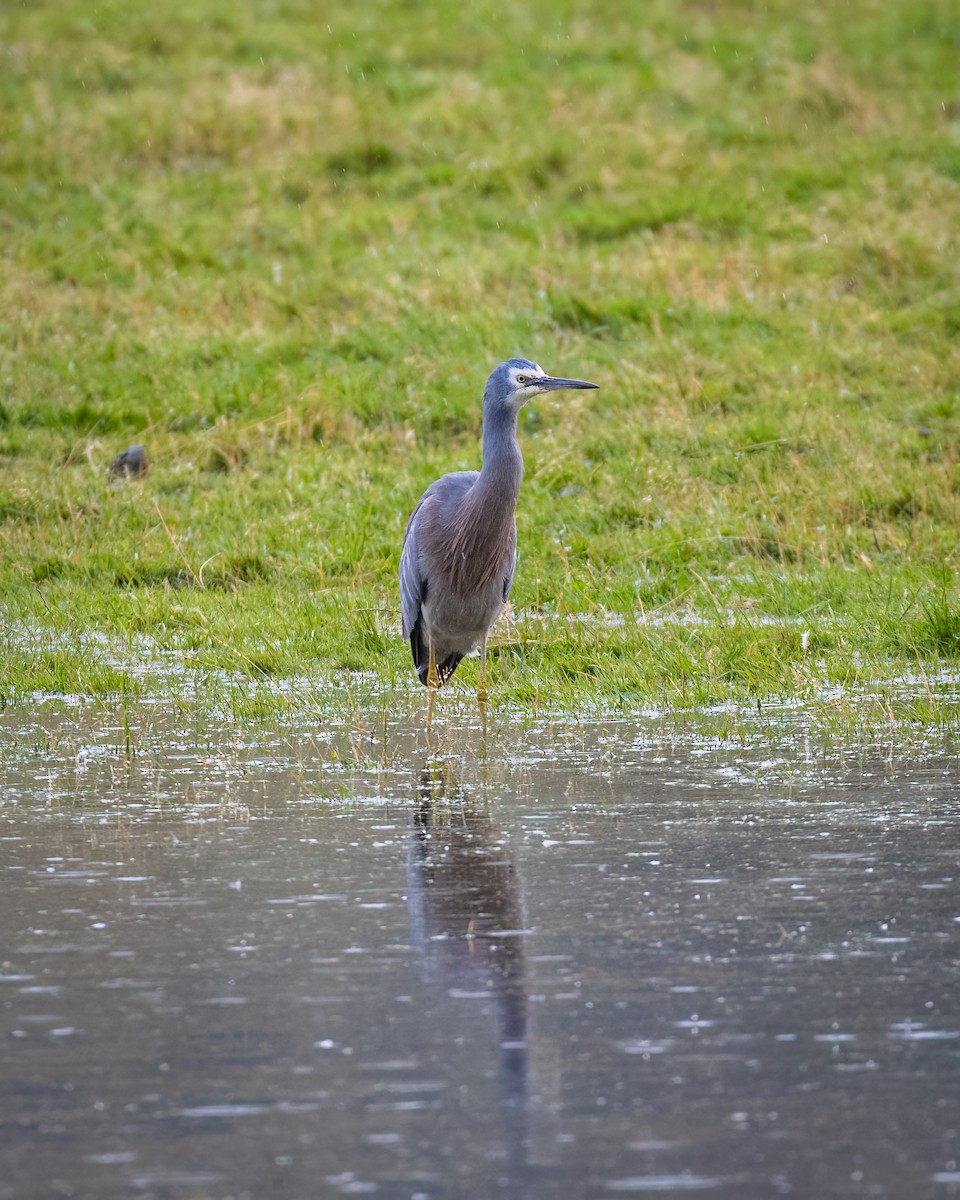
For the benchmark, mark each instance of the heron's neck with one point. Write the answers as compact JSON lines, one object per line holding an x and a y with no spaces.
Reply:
{"x":484,"y":539}
{"x":502,"y":471}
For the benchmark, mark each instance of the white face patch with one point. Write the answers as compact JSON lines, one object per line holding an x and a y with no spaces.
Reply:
{"x":524,"y":379}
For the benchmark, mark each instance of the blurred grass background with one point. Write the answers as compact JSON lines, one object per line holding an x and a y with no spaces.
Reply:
{"x":282,"y":245}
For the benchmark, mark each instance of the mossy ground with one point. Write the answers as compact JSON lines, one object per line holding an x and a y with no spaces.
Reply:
{"x":283,"y":251}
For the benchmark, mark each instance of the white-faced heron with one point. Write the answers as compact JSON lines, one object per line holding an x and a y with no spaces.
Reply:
{"x":460,"y":547}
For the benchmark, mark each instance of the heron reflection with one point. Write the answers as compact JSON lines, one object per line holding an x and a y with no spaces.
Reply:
{"x":466,"y":914}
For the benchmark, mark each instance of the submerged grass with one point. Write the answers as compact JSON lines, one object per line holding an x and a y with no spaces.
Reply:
{"x":284,"y":253}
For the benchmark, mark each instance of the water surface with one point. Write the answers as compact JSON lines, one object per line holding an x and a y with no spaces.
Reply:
{"x":545,"y":960}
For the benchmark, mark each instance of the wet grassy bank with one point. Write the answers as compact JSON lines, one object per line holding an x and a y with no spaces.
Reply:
{"x":283,"y":252}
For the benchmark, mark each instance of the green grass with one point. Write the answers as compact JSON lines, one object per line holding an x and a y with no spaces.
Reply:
{"x":284,"y":251}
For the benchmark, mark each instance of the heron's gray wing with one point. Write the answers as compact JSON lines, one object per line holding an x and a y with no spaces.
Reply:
{"x":447,"y":493}
{"x":413,"y":585}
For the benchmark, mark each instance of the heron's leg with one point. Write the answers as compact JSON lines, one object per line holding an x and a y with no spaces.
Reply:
{"x":482,"y":755}
{"x":433,"y":677}
{"x":482,"y":694}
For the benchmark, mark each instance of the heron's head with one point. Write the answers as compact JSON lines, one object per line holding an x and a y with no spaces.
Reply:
{"x":514,"y":382}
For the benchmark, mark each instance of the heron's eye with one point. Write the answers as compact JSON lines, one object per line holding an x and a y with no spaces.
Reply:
{"x":521,"y":379}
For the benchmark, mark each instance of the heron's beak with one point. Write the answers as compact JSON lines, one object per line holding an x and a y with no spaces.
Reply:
{"x":550,"y":383}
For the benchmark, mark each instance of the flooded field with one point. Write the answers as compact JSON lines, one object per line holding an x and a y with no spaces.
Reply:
{"x":554,"y":959}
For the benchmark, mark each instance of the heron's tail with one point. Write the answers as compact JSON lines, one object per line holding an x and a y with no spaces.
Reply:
{"x":421,"y":658}
{"x":444,"y":669}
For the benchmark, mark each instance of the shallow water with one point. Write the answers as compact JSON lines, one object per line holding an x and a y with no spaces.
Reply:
{"x":543,"y":960}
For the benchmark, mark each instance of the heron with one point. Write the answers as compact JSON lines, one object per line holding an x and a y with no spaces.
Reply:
{"x":460,"y":546}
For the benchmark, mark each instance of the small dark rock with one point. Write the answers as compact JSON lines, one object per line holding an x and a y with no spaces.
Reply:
{"x":131,"y":463}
